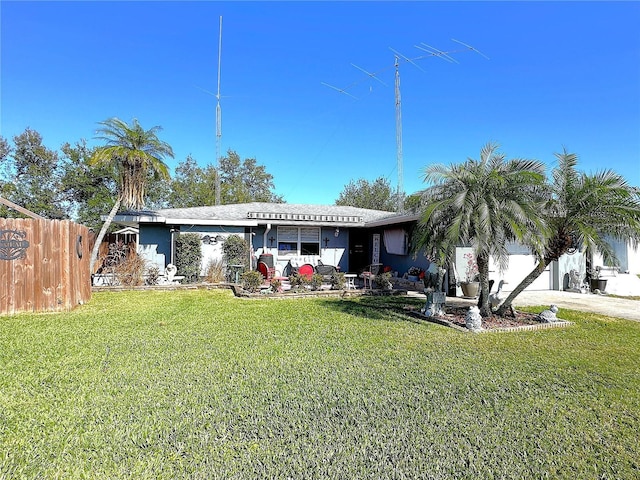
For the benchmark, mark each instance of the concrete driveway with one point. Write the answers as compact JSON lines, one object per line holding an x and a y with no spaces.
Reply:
{"x":621,"y":284}
{"x":585,"y":302}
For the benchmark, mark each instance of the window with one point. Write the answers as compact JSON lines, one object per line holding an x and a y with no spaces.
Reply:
{"x":298,"y":241}
{"x":309,"y":241}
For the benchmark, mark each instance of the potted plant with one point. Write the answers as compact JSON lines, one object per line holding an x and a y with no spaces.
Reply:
{"x":471,"y":284}
{"x":595,"y":282}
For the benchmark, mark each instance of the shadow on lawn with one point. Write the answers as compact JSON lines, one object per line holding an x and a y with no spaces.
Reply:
{"x":390,"y":308}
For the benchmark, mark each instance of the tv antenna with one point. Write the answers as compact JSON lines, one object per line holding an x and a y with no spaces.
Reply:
{"x":218,"y":119}
{"x":429,"y":51}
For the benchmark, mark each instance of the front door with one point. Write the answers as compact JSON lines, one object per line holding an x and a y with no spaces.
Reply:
{"x":358,"y":250}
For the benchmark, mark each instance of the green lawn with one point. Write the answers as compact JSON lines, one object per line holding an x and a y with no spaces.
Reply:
{"x":199,"y":384}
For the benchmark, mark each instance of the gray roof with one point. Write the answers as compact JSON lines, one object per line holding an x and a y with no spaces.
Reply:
{"x":259,"y":213}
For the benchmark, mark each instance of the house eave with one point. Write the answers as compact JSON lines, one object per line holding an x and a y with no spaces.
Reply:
{"x":216,"y":222}
{"x":135,"y":220}
{"x":384,"y":222}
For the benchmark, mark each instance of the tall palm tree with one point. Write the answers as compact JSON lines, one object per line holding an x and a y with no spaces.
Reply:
{"x":583,"y":210}
{"x":483,"y":203}
{"x":134,"y":154}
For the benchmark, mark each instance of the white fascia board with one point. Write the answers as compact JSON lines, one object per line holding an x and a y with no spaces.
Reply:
{"x":393,"y":221}
{"x":194,"y":221}
{"x":136,"y":219}
{"x":315,"y":224}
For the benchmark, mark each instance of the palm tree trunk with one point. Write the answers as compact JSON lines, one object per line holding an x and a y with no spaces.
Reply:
{"x":103,"y":232}
{"x":483,"y":268}
{"x":528,"y":280}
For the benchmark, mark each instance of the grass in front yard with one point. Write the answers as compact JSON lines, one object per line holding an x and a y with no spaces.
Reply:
{"x":199,"y":384}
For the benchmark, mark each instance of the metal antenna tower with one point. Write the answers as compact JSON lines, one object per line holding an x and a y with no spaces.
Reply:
{"x":430,"y":52}
{"x":400,"y":204}
{"x":218,"y":120}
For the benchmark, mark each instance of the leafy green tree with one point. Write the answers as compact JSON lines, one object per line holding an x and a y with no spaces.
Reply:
{"x":5,"y":150}
{"x":88,"y":190}
{"x":376,"y":195}
{"x":583,"y":209}
{"x":413,"y":203}
{"x":6,"y":186}
{"x":244,"y":181}
{"x":134,"y":154}
{"x":193,"y":186}
{"x":157,"y":192}
{"x":31,"y":176}
{"x":483,"y":203}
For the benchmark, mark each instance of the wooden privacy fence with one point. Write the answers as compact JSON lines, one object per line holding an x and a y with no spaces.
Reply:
{"x":44,"y":265}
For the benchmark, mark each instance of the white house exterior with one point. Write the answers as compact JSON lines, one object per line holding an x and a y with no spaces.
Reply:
{"x":628,"y":255}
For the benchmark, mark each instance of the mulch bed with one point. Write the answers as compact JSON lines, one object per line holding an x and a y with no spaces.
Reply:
{"x":455,"y":317}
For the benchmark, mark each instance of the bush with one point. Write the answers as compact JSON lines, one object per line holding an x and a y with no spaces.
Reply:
{"x":298,"y":281}
{"x":235,"y":251}
{"x":214,"y":272}
{"x":251,"y":280}
{"x":153,"y":275}
{"x":188,"y":256}
{"x":315,"y":281}
{"x":130,"y":271}
{"x":383,"y":281}
{"x":337,"y":281}
{"x":276,"y":285}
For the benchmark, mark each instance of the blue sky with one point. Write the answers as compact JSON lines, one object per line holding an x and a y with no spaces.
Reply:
{"x":559,"y":74}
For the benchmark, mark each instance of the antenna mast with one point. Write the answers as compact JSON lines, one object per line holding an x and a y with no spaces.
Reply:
{"x":218,"y":120}
{"x":400,"y":189}
{"x":429,"y":52}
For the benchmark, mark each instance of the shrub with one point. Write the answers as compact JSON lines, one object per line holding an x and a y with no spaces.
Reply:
{"x":315,"y":281}
{"x":383,"y":281}
{"x":235,"y":251}
{"x":337,"y":281}
{"x":153,"y":275}
{"x":214,"y":272}
{"x":298,"y":281}
{"x":276,"y":285}
{"x":130,"y":271}
{"x":251,"y":280}
{"x":188,"y":256}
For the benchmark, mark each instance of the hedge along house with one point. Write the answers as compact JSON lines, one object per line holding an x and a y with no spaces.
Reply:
{"x":293,"y":234}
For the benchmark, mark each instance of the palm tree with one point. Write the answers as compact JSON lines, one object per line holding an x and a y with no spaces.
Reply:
{"x":483,"y":203}
{"x":134,"y":154}
{"x":583,"y":210}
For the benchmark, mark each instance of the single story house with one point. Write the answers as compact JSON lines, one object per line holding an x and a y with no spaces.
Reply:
{"x":294,"y":234}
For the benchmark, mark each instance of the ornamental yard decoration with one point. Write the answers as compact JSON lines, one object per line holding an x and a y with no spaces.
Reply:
{"x":13,"y":244}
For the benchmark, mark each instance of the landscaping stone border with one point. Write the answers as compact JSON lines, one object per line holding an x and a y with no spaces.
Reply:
{"x":540,"y":326}
{"x":523,"y":328}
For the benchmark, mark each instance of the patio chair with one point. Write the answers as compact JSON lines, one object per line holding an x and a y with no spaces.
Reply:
{"x":369,"y":272}
{"x":267,"y":272}
{"x":327,"y":271}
